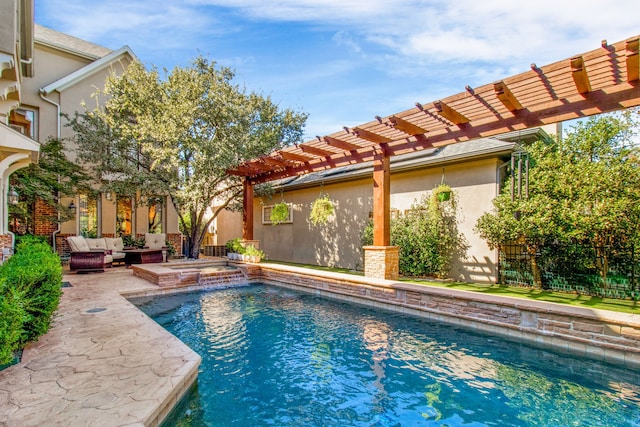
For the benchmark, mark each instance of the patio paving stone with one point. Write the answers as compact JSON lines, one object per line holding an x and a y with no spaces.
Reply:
{"x":103,"y":362}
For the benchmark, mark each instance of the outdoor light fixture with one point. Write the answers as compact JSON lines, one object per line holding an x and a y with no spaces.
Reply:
{"x":108,"y":196}
{"x":72,"y":205}
{"x":13,"y":197}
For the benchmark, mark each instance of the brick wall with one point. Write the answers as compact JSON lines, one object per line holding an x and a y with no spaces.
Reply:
{"x":43,"y":226}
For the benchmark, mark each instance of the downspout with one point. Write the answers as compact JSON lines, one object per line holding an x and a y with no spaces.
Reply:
{"x":42,"y":94}
{"x":498,"y":176}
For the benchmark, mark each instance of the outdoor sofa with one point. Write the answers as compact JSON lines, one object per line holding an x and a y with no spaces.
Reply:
{"x":95,"y":254}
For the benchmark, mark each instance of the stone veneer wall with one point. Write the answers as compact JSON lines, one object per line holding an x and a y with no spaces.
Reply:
{"x":597,"y":334}
{"x":381,"y":262}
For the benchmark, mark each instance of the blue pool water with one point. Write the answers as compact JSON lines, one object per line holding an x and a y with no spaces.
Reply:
{"x":275,"y":357}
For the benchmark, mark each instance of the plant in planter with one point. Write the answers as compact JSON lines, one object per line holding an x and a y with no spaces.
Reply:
{"x":442,"y":193}
{"x":321,"y":210}
{"x":235,"y":248}
{"x":254,"y":254}
{"x":279,"y":213}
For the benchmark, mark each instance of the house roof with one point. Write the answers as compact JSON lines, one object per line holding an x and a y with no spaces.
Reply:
{"x":433,"y":157}
{"x":52,"y":38}
{"x":89,"y":69}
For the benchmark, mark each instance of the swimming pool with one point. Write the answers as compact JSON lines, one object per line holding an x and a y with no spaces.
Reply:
{"x":276,"y":357}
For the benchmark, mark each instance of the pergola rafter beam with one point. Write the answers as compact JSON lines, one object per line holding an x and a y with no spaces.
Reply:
{"x":371,"y":136}
{"x":406,"y":126}
{"x":338,"y":143}
{"x":295,"y":157}
{"x":504,"y":94}
{"x":275,"y":162}
{"x":632,"y":59}
{"x":315,"y":150}
{"x":579,"y":74}
{"x":449,"y":113}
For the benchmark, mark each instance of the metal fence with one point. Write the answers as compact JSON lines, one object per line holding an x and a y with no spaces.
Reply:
{"x":575,"y":269}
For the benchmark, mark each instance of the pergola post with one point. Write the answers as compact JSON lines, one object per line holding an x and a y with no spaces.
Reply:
{"x":381,"y":260}
{"x":247,"y":214}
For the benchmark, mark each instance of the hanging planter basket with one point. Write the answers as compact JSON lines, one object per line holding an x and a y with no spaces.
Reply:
{"x":442,"y":192}
{"x":321,"y":210}
{"x":279,"y":213}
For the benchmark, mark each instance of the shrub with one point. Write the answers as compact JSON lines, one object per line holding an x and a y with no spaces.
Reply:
{"x":30,"y":292}
{"x":11,"y":320}
{"x":131,"y":242}
{"x":428,"y":237}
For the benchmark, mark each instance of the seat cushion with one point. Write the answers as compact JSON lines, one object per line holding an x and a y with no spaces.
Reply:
{"x":114,"y":243}
{"x":78,"y":244}
{"x":96,"y":243}
{"x":155,"y":240}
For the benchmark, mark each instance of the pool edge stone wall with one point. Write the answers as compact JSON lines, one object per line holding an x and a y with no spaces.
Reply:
{"x":597,"y":334}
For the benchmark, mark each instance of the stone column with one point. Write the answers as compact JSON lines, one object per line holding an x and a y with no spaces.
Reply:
{"x":381,"y":262}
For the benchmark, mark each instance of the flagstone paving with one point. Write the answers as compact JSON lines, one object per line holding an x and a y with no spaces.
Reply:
{"x":103,"y":362}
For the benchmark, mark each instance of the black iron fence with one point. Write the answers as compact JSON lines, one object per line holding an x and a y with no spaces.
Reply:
{"x":599,"y":271}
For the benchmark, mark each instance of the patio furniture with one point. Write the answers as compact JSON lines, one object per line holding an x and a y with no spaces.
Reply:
{"x":156,"y":241}
{"x":83,"y":258}
{"x":113,"y":244}
{"x":143,"y":256}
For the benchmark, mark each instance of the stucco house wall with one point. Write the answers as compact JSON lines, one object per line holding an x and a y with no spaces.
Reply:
{"x":68,"y":69}
{"x":337,"y":243}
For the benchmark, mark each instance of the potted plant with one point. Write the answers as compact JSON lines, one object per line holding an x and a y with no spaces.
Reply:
{"x":321,"y":210}
{"x":442,"y":192}
{"x":279,"y":213}
{"x":254,"y":254}
{"x":235,"y":248}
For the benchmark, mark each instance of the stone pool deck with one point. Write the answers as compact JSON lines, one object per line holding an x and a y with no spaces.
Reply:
{"x":111,"y":367}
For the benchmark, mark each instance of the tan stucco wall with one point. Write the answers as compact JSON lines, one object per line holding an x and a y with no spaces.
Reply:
{"x":227,"y":226}
{"x":51,"y":65}
{"x":338,"y":242}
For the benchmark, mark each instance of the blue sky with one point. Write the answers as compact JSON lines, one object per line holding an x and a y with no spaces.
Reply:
{"x":345,"y":61}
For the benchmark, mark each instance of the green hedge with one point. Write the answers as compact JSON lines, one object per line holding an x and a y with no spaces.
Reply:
{"x":30,"y":289}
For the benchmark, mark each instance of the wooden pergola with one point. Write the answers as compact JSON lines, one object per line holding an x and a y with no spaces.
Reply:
{"x":602,"y":80}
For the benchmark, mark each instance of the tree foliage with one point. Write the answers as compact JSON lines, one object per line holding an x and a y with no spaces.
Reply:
{"x":54,"y":176}
{"x":179,"y":135}
{"x":583,"y":189}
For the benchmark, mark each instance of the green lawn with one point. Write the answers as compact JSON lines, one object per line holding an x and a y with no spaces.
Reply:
{"x":624,"y":306}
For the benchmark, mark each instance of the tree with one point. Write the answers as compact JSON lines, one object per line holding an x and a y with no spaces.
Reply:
{"x":54,"y":176}
{"x":584,"y":190}
{"x":179,"y":135}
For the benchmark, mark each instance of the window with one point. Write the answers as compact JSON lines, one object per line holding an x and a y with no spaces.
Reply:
{"x":266,"y":214}
{"x":156,"y":209}
{"x":24,"y":121}
{"x":123,"y":216}
{"x":88,"y":215}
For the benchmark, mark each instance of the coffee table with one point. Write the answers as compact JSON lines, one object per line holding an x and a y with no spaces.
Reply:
{"x":142,"y":256}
